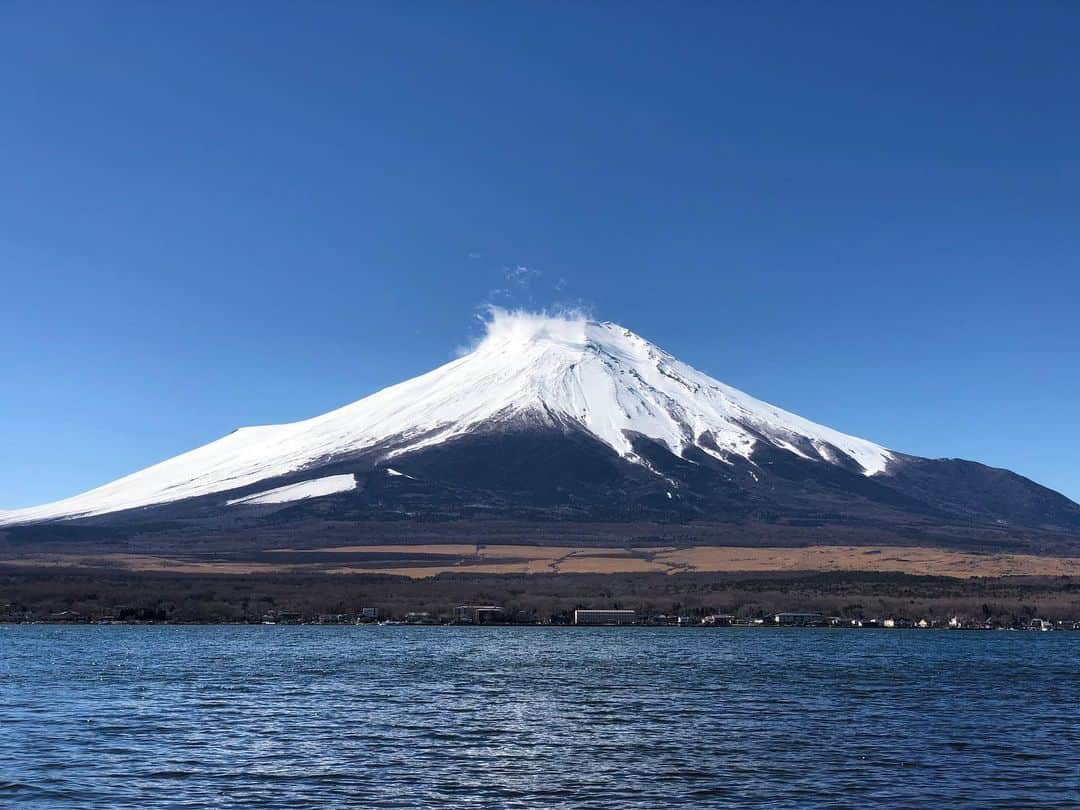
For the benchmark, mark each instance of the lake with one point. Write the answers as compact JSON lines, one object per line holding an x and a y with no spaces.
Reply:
{"x":527,"y":717}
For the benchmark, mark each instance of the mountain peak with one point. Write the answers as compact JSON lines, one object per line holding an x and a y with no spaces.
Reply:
{"x":524,"y":337}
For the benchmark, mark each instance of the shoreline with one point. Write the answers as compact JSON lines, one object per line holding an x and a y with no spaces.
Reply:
{"x":81,"y":596}
{"x":1075,"y":628}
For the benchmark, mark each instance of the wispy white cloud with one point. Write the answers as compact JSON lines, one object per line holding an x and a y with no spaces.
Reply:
{"x":520,"y":299}
{"x":522,"y":275}
{"x":499,"y":323}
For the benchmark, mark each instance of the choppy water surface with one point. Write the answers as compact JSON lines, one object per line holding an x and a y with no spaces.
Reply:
{"x":528,"y":717}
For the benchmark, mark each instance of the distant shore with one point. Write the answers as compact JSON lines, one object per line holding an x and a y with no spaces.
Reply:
{"x":75,"y":594}
{"x":1057,"y":627}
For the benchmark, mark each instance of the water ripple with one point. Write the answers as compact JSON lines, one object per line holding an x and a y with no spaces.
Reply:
{"x":399,"y":717}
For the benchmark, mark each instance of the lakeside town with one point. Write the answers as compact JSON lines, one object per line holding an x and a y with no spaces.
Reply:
{"x":495,"y":615}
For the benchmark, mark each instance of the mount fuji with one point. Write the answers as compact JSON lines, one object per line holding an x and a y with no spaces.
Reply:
{"x":562,"y":418}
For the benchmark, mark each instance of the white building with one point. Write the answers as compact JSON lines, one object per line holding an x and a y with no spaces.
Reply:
{"x":798,"y":619}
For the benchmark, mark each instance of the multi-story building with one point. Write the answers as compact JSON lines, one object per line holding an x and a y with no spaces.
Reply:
{"x":604,"y":617}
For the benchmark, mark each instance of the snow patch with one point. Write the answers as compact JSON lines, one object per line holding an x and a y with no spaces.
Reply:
{"x":315,"y":488}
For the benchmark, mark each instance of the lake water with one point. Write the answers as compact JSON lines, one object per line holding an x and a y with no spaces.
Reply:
{"x":531,"y":717}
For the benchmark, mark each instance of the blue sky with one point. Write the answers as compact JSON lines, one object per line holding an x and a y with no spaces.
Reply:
{"x":214,"y":215}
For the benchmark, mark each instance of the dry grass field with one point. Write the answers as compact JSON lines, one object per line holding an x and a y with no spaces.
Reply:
{"x":425,"y":561}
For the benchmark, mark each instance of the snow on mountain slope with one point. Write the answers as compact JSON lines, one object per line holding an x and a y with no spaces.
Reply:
{"x":601,"y":376}
{"x":315,"y":488}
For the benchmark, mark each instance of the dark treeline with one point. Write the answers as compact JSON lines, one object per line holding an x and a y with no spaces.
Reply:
{"x":43,"y":593}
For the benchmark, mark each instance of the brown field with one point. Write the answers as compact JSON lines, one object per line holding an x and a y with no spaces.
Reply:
{"x":425,"y":561}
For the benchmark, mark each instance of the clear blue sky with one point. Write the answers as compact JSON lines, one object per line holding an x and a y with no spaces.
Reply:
{"x":214,"y":215}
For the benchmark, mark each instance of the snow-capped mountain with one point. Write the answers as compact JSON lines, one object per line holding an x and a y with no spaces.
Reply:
{"x":482,"y":431}
{"x":600,"y":376}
